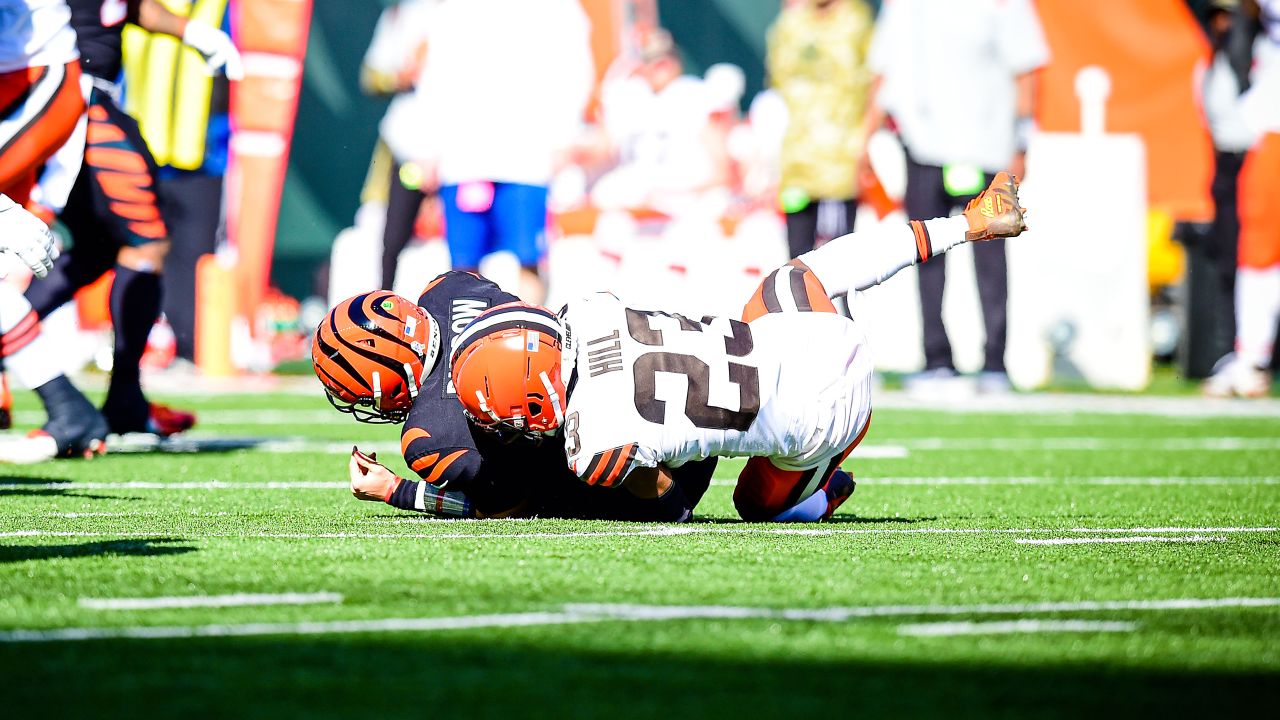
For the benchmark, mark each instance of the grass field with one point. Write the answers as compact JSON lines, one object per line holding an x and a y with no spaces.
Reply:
{"x":1048,"y":562}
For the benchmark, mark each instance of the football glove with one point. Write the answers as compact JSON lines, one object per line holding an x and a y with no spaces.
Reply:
{"x":216,"y":47}
{"x":26,"y":236}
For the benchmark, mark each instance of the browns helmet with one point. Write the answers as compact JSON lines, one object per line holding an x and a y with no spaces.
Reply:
{"x":372,"y":352}
{"x":506,"y":371}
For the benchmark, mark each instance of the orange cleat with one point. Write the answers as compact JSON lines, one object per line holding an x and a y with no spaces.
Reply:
{"x":995,"y":213}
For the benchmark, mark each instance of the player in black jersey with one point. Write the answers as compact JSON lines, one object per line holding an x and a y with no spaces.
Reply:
{"x":382,"y":358}
{"x":102,"y":186}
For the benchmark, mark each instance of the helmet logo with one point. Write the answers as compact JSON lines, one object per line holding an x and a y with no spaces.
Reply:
{"x":388,"y":304}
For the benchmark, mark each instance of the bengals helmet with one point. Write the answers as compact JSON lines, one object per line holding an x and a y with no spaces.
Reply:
{"x":506,"y":371}
{"x":372,"y":352}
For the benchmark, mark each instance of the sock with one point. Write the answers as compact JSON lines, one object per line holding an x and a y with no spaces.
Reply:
{"x":861,"y":260}
{"x":61,"y":398}
{"x":135,"y":305}
{"x":51,"y":292}
{"x":1257,"y":310}
{"x":811,"y":509}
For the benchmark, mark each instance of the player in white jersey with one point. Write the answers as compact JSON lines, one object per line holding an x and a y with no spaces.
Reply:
{"x":639,"y":392}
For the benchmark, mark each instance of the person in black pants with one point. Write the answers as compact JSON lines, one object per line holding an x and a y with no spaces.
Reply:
{"x":927,"y":197}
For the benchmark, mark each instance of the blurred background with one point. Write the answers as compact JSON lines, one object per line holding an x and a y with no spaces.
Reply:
{"x":675,"y":152}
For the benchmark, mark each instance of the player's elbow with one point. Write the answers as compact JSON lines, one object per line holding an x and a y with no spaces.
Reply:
{"x":452,"y":468}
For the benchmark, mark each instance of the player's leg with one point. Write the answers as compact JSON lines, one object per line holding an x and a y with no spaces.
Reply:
{"x":41,"y":108}
{"x":519,"y":224}
{"x":32,"y":358}
{"x":403,"y":203}
{"x":992,"y":270}
{"x":861,"y":260}
{"x":1257,"y":277}
{"x":768,"y":493}
{"x":121,"y":174}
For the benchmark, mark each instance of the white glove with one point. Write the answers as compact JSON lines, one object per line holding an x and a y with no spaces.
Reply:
{"x":216,"y":47}
{"x":26,"y":236}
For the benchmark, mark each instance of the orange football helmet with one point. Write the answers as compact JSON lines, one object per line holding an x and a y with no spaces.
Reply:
{"x":372,"y":352}
{"x":506,"y":371}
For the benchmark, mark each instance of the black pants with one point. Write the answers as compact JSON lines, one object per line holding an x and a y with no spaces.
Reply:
{"x":804,"y":227}
{"x":193,"y":210}
{"x":926,"y":199}
{"x":402,"y":212}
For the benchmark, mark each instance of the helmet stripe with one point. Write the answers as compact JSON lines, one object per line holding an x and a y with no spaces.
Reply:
{"x":506,"y":318}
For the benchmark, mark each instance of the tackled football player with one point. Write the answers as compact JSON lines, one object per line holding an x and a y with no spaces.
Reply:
{"x":383,"y":359}
{"x":637,"y":394}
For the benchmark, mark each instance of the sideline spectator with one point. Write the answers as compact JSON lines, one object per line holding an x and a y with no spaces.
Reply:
{"x":658,"y":123}
{"x":816,"y":59}
{"x":957,"y":76}
{"x":391,"y":66}
{"x":1246,"y":373}
{"x":499,"y":104}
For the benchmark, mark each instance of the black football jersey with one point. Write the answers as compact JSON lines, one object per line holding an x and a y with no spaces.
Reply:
{"x":98,"y":25}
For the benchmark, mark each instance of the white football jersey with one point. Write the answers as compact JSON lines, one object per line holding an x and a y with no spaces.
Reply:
{"x":649,"y":388}
{"x":36,"y":33}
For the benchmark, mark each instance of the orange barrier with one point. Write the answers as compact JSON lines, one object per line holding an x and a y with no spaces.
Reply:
{"x":1152,"y":49}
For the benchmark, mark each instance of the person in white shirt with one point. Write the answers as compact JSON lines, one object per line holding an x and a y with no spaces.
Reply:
{"x":499,"y":103}
{"x":957,"y":76}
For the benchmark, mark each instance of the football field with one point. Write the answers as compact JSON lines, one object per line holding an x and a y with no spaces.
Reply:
{"x":1045,"y":556}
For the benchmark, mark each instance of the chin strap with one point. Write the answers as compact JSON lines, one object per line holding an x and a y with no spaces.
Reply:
{"x":554,"y":397}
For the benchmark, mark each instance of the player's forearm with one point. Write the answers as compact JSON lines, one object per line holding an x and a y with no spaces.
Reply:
{"x":421,"y":496}
{"x":864,"y":259}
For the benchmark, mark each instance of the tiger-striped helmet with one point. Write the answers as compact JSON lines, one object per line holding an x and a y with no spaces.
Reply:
{"x":372,"y":352}
{"x":506,"y":371}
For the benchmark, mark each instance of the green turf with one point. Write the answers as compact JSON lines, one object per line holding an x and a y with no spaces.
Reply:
{"x":114,"y":542}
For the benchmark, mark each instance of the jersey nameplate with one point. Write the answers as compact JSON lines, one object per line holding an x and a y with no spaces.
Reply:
{"x":606,"y":356}
{"x":462,"y":310}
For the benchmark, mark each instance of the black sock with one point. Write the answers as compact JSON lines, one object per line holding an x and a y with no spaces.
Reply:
{"x":54,"y":290}
{"x":135,"y":305}
{"x":62,"y":399}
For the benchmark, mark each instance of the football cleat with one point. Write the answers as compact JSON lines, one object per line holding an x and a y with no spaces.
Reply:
{"x":165,"y":421}
{"x":69,"y":437}
{"x":995,"y":212}
{"x":838,"y":488}
{"x":506,"y":371}
{"x":1233,"y":377}
{"x":372,"y":353}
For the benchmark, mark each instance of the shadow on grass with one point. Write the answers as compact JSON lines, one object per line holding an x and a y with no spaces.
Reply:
{"x":180,"y":445}
{"x":60,"y":492}
{"x":142,"y":547}
{"x":504,"y":675}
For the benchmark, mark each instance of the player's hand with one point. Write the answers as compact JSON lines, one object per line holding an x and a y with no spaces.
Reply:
{"x":216,"y":47}
{"x":370,"y":480}
{"x":26,"y":236}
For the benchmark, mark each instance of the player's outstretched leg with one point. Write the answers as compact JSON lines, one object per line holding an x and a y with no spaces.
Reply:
{"x":75,"y":427}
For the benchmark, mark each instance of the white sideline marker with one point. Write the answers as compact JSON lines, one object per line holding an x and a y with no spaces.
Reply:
{"x":209,"y":601}
{"x":1128,"y":539}
{"x":587,"y":613}
{"x":1011,"y":627}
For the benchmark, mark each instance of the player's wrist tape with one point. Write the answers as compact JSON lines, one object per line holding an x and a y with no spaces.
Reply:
{"x":394,"y":496}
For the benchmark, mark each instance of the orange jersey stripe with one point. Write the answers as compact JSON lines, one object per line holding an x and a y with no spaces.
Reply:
{"x":444,"y":465}
{"x":126,"y":161}
{"x":605,"y":457}
{"x":421,"y":464}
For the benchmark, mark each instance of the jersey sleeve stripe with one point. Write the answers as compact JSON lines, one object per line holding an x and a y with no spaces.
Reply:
{"x":597,"y":466}
{"x":769,"y":293}
{"x":923,"y":248}
{"x":421,"y":464}
{"x":444,"y":464}
{"x":619,"y":465}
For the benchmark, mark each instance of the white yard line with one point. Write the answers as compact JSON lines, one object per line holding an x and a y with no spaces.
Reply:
{"x":1227,"y":443}
{"x":1127,"y":539}
{"x":585,"y":613}
{"x":1011,"y":627}
{"x":637,"y":531}
{"x":1060,"y":403}
{"x":1064,"y":481}
{"x":209,"y":601}
{"x":194,"y":485}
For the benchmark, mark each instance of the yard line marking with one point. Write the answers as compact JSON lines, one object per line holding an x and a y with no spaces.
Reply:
{"x":1094,"y":443}
{"x":465,"y":622}
{"x":640,"y":531}
{"x":209,"y":601}
{"x":200,"y":485}
{"x":1055,"y":403}
{"x":1066,"y":480}
{"x":1127,"y":539}
{"x":588,"y":613}
{"x":839,"y":614}
{"x":1010,"y":627}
